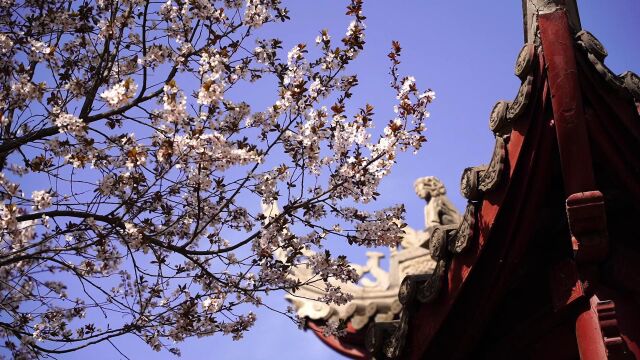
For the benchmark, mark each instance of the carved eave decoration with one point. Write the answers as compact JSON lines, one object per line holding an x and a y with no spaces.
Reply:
{"x":493,"y":174}
{"x":627,"y":83}
{"x":470,"y":182}
{"x":456,"y":248}
{"x":498,"y":122}
{"x":463,"y":236}
{"x":631,"y":82}
{"x":371,"y":299}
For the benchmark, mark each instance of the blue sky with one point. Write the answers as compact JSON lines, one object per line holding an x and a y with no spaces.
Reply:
{"x":465,"y":51}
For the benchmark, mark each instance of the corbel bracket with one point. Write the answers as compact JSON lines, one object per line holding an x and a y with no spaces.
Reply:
{"x":588,"y":225}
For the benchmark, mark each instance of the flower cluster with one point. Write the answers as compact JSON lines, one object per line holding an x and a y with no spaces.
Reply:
{"x":41,"y":199}
{"x":5,"y":44}
{"x":256,"y":13}
{"x":67,"y":123}
{"x":120,"y":93}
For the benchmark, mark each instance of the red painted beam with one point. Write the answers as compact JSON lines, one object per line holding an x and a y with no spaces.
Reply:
{"x":588,"y":334}
{"x":566,"y":99}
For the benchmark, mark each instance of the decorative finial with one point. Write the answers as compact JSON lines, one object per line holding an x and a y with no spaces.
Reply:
{"x":532,"y":8}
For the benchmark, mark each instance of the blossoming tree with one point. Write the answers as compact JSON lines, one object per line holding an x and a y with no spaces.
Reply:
{"x":132,"y":174}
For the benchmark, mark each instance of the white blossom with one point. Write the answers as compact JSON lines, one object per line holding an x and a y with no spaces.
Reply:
{"x":211,"y":304}
{"x":40,"y":50}
{"x":41,"y":199}
{"x":211,"y":91}
{"x":5,"y":44}
{"x":156,"y":56}
{"x":407,"y":84}
{"x":68,"y":123}
{"x":429,"y":95}
{"x":8,"y":213}
{"x":256,"y":13}
{"x":323,"y":37}
{"x":120,"y":93}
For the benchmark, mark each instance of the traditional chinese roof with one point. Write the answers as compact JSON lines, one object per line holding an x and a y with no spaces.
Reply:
{"x":375,"y":297}
{"x":373,"y":300}
{"x":545,"y":262}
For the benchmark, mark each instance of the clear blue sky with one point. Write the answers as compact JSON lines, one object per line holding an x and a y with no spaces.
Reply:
{"x":465,"y":51}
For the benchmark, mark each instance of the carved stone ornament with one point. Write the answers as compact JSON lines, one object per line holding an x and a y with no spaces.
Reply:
{"x":395,"y":332}
{"x":439,"y":209}
{"x":491,"y":177}
{"x":361,"y":316}
{"x":591,"y":44}
{"x":525,"y":61}
{"x":631,"y":82}
{"x":373,"y":297}
{"x":373,"y":338}
{"x":409,"y":287}
{"x":394,"y":346}
{"x":396,"y":307}
{"x":470,"y":182}
{"x":414,"y":261}
{"x":377,"y":334}
{"x":430,"y":290}
{"x":498,"y":122}
{"x":609,"y":77}
{"x":517,"y":107}
{"x":440,"y":237}
{"x":465,"y":232}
